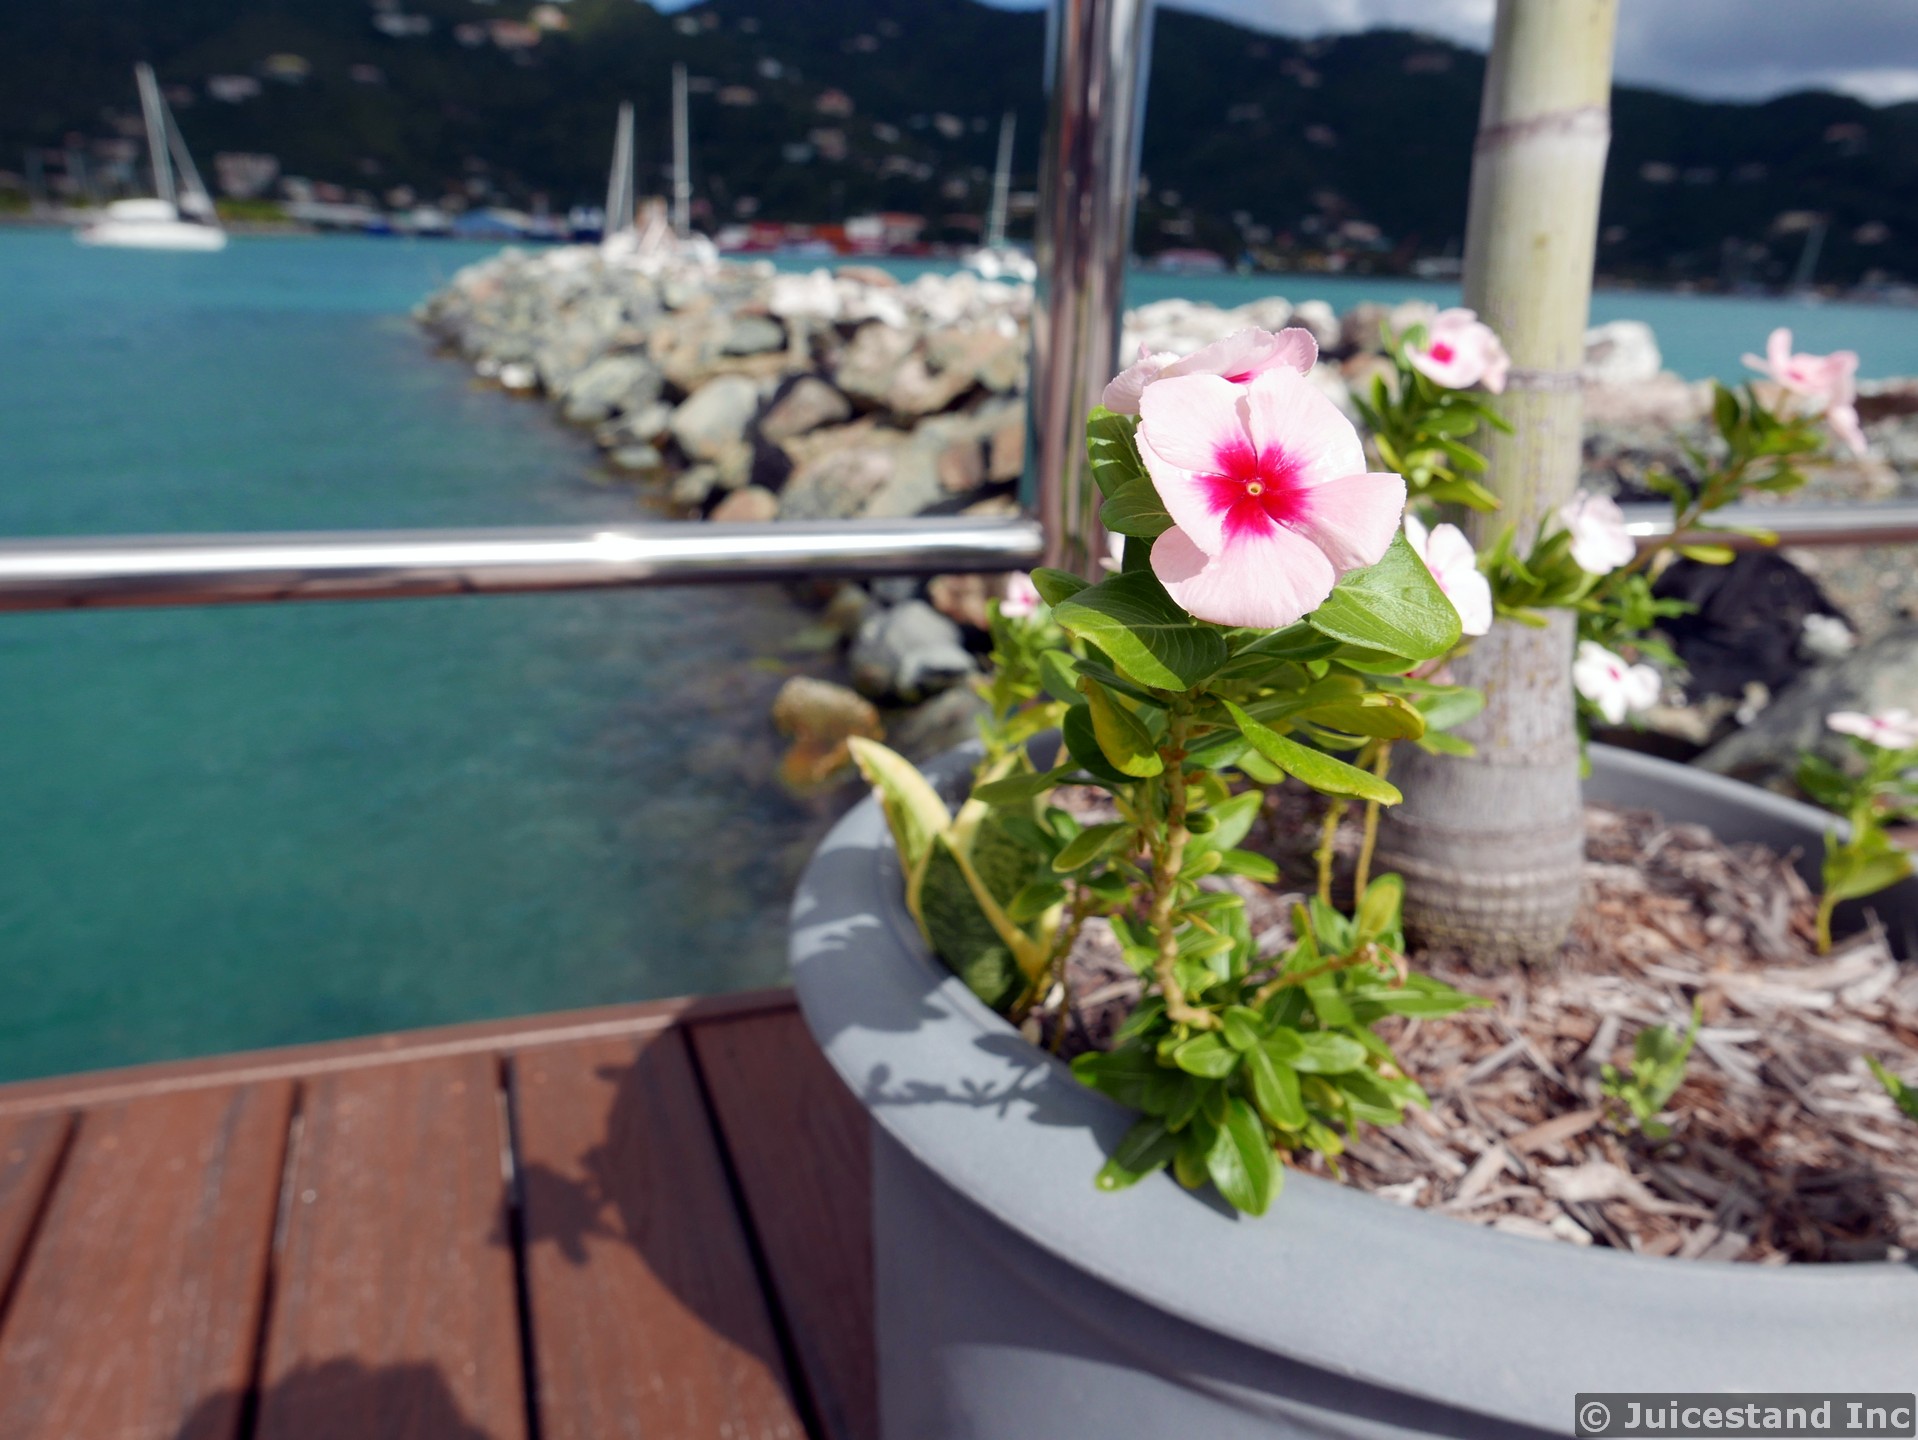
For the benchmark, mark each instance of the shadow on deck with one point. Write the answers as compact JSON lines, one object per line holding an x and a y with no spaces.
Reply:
{"x":644,"y":1221}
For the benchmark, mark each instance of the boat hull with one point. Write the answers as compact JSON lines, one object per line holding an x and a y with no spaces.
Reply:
{"x":152,"y":235}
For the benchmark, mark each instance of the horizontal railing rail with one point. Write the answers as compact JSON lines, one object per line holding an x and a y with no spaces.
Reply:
{"x":77,"y":573}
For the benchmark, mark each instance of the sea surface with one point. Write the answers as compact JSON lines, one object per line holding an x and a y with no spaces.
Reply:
{"x":261,"y":825}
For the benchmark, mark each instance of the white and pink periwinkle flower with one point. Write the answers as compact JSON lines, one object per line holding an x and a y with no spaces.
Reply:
{"x":1461,"y":351}
{"x":1454,"y":565}
{"x":1022,"y":598}
{"x":1828,"y":382}
{"x":1239,"y":357}
{"x":1888,"y":729}
{"x":1600,"y":541}
{"x":1616,"y":686}
{"x":1267,"y":488}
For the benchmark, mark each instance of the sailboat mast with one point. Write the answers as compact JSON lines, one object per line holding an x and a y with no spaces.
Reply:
{"x":156,"y":131}
{"x":1001,"y":185}
{"x":682,"y":158}
{"x":619,"y":184}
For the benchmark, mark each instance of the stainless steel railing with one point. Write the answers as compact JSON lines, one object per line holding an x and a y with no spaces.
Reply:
{"x":386,"y":564}
{"x":389,"y":564}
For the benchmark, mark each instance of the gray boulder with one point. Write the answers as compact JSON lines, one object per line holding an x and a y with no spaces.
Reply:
{"x":715,"y":415}
{"x":753,"y":335}
{"x":609,"y":386}
{"x":1623,"y":352}
{"x":877,"y":479}
{"x":1882,"y":675}
{"x":909,"y":652}
{"x":809,"y":404}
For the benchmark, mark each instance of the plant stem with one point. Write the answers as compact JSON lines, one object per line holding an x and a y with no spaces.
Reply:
{"x":1328,"y":839}
{"x":1826,"y":904}
{"x":1381,"y":761}
{"x":1298,"y":977}
{"x":1168,"y":859}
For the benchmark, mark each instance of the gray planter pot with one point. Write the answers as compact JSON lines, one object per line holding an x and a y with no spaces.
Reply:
{"x":1014,"y":1300}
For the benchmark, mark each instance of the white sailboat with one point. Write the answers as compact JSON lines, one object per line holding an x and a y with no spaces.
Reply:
{"x":181,"y":215}
{"x":640,"y":233}
{"x":996,"y":260}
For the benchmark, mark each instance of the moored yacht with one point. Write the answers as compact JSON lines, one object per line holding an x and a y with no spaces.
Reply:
{"x":181,"y":215}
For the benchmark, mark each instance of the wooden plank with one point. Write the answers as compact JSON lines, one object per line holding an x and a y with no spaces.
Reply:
{"x":647,"y":1316}
{"x":395,"y":1313}
{"x":29,"y":1151}
{"x":799,"y":1145}
{"x":486,"y":1037}
{"x":138,"y":1309}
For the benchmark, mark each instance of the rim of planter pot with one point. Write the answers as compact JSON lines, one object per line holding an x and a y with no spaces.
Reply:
{"x":1409,"y":1299}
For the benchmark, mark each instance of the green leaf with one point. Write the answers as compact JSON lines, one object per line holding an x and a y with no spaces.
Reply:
{"x":1243,"y":1027}
{"x":914,"y":812}
{"x":1317,"y":1052}
{"x":1146,"y":1149}
{"x":1150,"y":639}
{"x":1034,"y":900}
{"x":1207,"y":1056}
{"x":1378,"y":715}
{"x":1057,"y":674}
{"x":1321,"y":771}
{"x":1862,"y":874}
{"x":1275,"y":1088}
{"x":1083,"y":745}
{"x":1112,"y":451}
{"x":1136,"y":510}
{"x":1057,"y":585}
{"x":961,"y":933}
{"x":1122,"y":736}
{"x":1017,"y":789}
{"x":1709,"y":554}
{"x":1088,"y":845}
{"x":1379,"y":910}
{"x":1904,"y":1096}
{"x":1232,"y":819}
{"x":1394,"y":605}
{"x":1241,"y":1162}
{"x":1249,"y":864}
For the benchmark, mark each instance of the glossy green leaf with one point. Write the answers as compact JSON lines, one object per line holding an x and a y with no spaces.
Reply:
{"x":1249,"y":864}
{"x":914,"y":812}
{"x":1275,"y":1088}
{"x":1083,"y":745}
{"x":1317,"y":769}
{"x":1018,"y":789}
{"x":1112,"y":450}
{"x":1150,"y":639}
{"x":1243,"y":1027}
{"x":1148,"y":1147}
{"x":1379,"y":716}
{"x":1379,"y":910}
{"x":1317,"y":1052}
{"x":1136,"y":510}
{"x":1394,"y":606}
{"x":1088,"y":845}
{"x":1207,"y":1056}
{"x":1122,"y":736}
{"x":1034,"y":900}
{"x":1241,"y":1162}
{"x":1056,"y":585}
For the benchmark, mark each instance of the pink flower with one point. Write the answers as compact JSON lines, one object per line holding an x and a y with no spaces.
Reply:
{"x":1267,"y":489}
{"x":1888,"y":729}
{"x":1600,"y":541}
{"x":1238,"y":358}
{"x":1454,"y":564}
{"x":1615,"y":686}
{"x":1829,"y":382}
{"x":1461,"y":351}
{"x":1021,"y":598}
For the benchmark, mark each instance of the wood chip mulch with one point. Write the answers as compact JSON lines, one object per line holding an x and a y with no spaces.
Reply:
{"x":1783,"y":1145}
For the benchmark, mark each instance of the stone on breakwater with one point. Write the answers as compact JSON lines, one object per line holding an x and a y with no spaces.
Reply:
{"x":609,"y":386}
{"x":715,"y":416}
{"x":908,"y":653}
{"x":751,"y":504}
{"x":1623,"y":352}
{"x":807,"y":405}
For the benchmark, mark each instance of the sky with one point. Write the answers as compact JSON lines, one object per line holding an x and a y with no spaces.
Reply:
{"x":1734,"y":49}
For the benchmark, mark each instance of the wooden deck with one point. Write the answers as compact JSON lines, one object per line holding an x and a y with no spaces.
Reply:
{"x":648,"y":1221}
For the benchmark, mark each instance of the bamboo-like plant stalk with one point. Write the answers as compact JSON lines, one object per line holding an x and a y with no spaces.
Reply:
{"x":1490,"y":847}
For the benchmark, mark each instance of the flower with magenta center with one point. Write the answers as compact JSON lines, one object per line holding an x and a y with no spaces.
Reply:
{"x":1461,"y":351}
{"x":1616,"y":686}
{"x":1600,"y":541}
{"x":1268,"y":492}
{"x":1827,"y":382}
{"x":1454,"y":565}
{"x":1022,"y":597}
{"x":1240,"y":357}
{"x":1888,"y":729}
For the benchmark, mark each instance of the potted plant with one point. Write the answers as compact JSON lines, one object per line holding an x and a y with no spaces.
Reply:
{"x":1138,"y":1242}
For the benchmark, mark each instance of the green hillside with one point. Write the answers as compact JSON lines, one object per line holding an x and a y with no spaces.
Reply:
{"x":1287,"y":148}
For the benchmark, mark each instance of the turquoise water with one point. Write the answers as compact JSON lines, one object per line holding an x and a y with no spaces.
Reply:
{"x":261,"y":825}
{"x":258,"y":825}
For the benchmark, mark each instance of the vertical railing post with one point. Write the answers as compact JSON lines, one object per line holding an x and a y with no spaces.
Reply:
{"x":1098,"y":56}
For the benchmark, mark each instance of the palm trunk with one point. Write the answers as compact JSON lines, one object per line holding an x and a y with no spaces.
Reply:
{"x":1490,"y":847}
